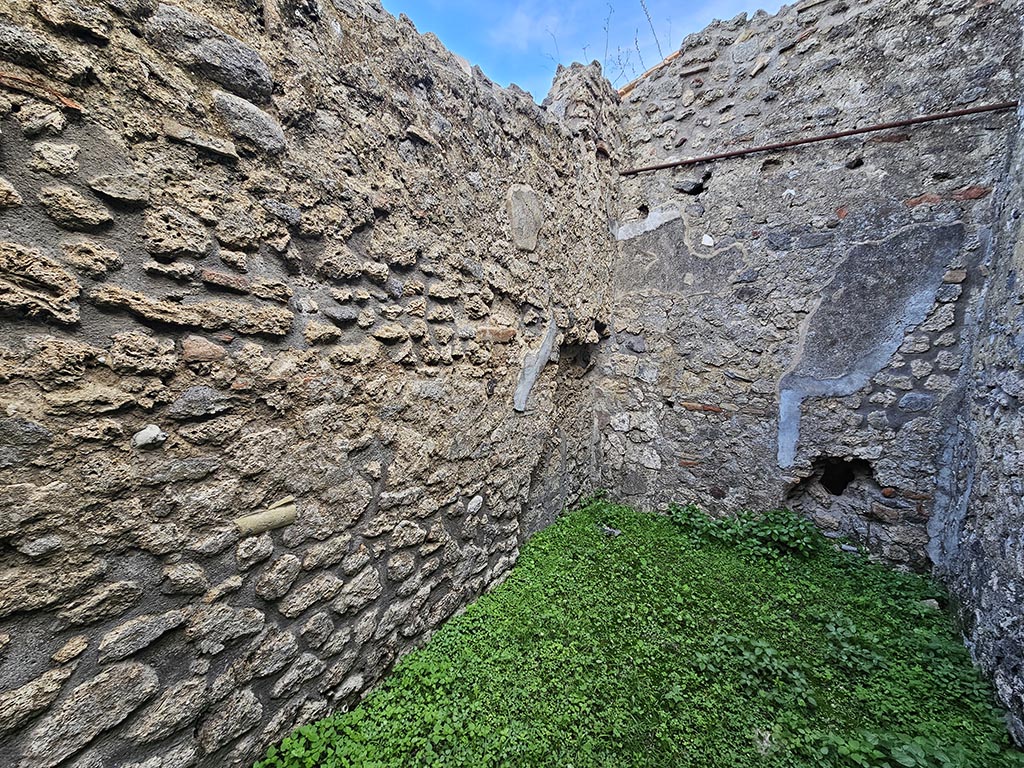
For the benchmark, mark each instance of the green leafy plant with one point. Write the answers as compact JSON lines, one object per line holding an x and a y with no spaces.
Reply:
{"x":681,"y":641}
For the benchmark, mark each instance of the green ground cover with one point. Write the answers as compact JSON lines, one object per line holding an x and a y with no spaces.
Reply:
{"x":680,"y":642}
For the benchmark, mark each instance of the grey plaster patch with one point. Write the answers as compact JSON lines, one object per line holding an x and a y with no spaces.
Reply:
{"x":861,"y":319}
{"x":532,"y":366}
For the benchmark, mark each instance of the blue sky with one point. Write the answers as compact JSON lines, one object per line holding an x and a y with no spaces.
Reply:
{"x":521,"y":41}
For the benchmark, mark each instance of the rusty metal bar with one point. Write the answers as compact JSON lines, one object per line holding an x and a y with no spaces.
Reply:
{"x":1001,"y":107}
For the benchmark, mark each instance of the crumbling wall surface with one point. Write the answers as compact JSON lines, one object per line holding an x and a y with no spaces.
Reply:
{"x":979,"y":545}
{"x":792,"y":327}
{"x":287,"y":264}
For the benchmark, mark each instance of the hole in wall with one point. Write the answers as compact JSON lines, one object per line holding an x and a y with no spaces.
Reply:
{"x":643,"y":210}
{"x":837,"y":474}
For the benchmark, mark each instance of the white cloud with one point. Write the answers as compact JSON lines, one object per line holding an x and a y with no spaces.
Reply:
{"x":527,"y":26}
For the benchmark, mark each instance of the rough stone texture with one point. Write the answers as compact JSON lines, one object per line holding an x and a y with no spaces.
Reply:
{"x":249,"y":123}
{"x":295,"y":400}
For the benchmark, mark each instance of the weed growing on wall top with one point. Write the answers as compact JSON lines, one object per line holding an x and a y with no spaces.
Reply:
{"x":684,"y":641}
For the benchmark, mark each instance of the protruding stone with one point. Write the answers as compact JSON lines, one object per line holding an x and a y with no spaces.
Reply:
{"x":149,"y":437}
{"x":73,"y":210}
{"x":195,"y":43}
{"x":104,"y":602}
{"x":213,"y":626}
{"x":222,"y":149}
{"x":248,"y":123}
{"x":35,"y":286}
{"x":92,"y":708}
{"x":339,"y":263}
{"x":18,"y":705}
{"x":302,"y":670}
{"x":77,"y":18}
{"x":9,"y":196}
{"x":29,"y":588}
{"x":408,"y":534}
{"x":525,"y":216}
{"x":72,"y":649}
{"x":55,"y":159}
{"x":390,"y":334}
{"x":171,"y":234}
{"x":29,"y":49}
{"x":196,"y":349}
{"x":495,"y":334}
{"x":253,"y":550}
{"x":134,"y":635}
{"x":320,"y":588}
{"x":208,"y":315}
{"x":21,"y":441}
{"x":277,"y":579}
{"x":177,"y":707}
{"x":199,"y":402}
{"x":239,"y":714}
{"x":184,"y":579}
{"x":360,"y":591}
{"x":91,"y":259}
{"x":126,"y":188}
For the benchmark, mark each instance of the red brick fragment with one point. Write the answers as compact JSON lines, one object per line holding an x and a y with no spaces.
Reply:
{"x":495,"y":333}
{"x":928,"y":198}
{"x":972,"y":193}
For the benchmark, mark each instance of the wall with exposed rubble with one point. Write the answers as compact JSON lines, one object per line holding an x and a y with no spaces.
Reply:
{"x":293,"y":358}
{"x":979,"y":546}
{"x":306,"y":326}
{"x":793,"y":327}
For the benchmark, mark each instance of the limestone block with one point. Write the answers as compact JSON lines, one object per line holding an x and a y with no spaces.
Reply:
{"x":77,"y":18}
{"x":178,"y":706}
{"x":198,"y":45}
{"x":35,"y":286}
{"x":131,"y":189}
{"x":248,"y":123}
{"x":18,"y":705}
{"x":72,"y":210}
{"x":92,"y":708}
{"x":237,"y":715}
{"x":136,"y":634}
{"x":90,"y":258}
{"x":55,"y":159}
{"x":525,"y":216}
{"x":9,"y":196}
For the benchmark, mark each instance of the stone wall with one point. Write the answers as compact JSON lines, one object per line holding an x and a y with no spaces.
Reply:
{"x":792,"y":327}
{"x":306,"y":326}
{"x":979,"y":546}
{"x":295,"y":306}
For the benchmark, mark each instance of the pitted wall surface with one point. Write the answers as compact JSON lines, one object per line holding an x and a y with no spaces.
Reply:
{"x":307,"y":326}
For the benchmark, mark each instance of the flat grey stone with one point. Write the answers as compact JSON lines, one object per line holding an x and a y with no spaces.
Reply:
{"x":247,"y":122}
{"x":199,"y":46}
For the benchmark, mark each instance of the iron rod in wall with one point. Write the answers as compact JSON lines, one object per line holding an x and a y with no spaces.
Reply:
{"x":1000,"y":107}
